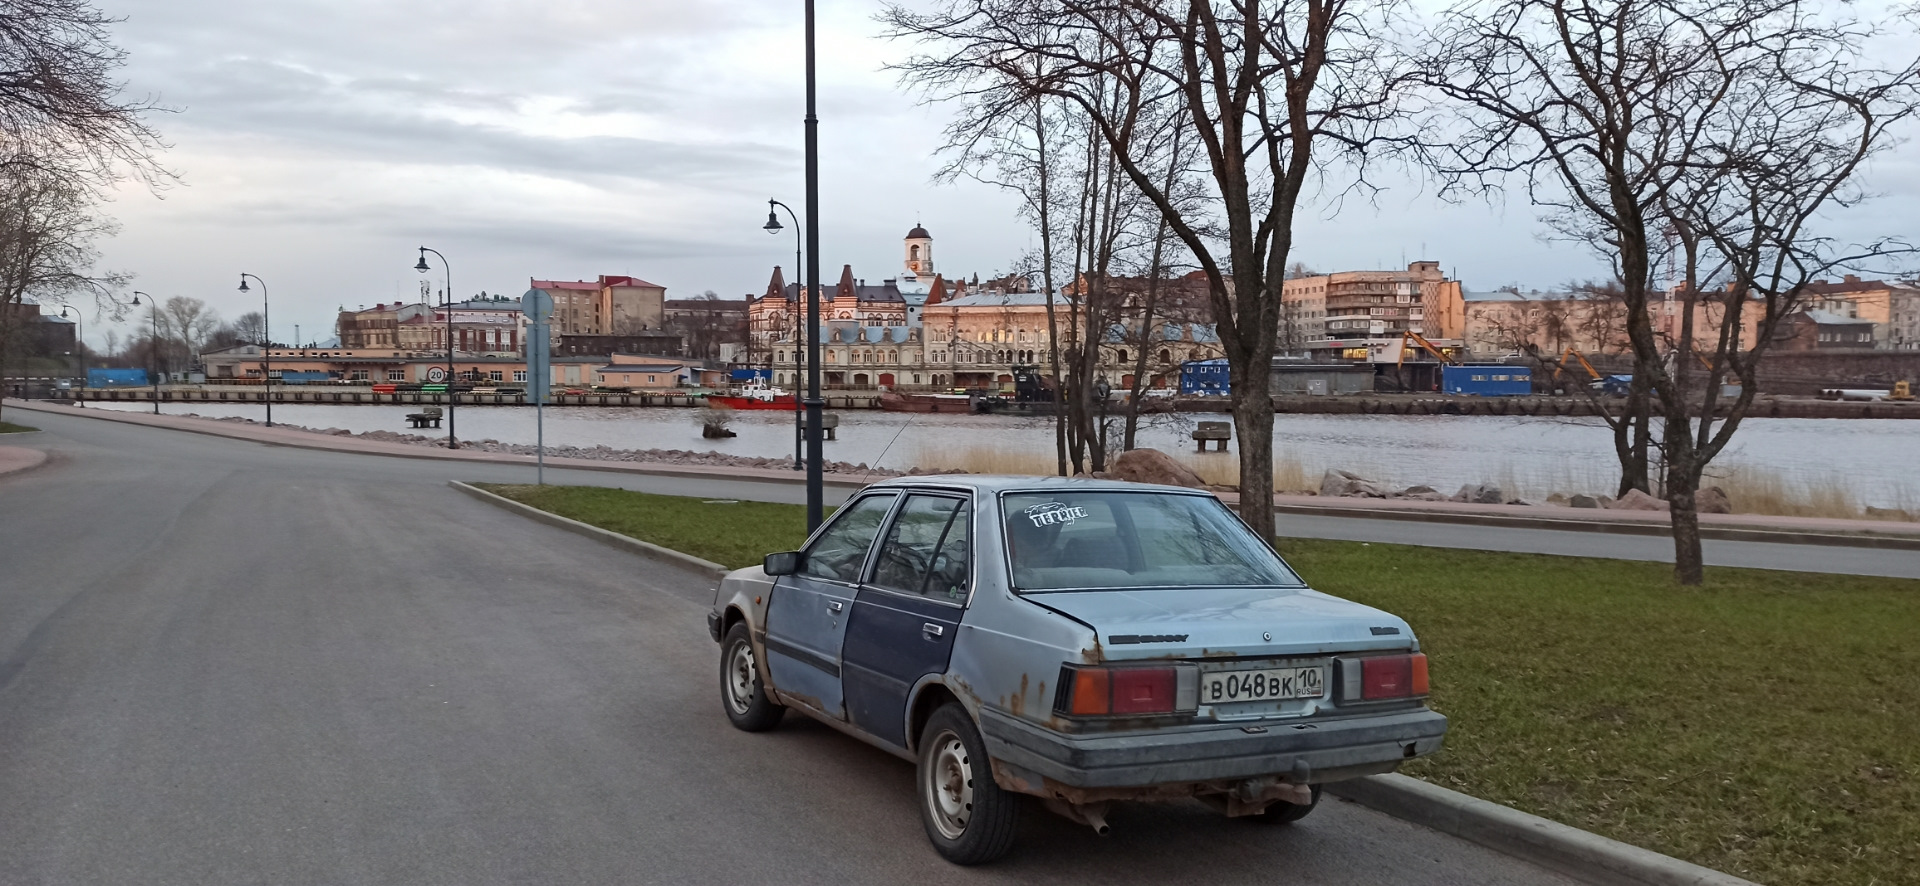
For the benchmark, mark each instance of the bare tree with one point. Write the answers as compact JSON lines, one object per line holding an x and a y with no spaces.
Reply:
{"x":47,"y":230}
{"x":1732,"y":124}
{"x":188,"y":323}
{"x":1274,"y":93}
{"x":61,"y":111}
{"x":248,"y":328}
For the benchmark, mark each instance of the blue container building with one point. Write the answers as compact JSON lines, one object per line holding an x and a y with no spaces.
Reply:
{"x":1497,"y":380}
{"x":117,"y":378}
{"x":1205,"y":377}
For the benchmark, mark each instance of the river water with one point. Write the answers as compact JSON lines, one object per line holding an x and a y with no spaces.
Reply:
{"x":1872,"y":459}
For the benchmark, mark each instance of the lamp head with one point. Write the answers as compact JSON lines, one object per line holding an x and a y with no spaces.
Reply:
{"x":773,"y":221}
{"x":421,"y":265}
{"x":63,"y":312}
{"x":243,"y":287}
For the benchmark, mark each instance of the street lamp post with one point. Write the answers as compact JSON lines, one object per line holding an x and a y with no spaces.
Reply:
{"x":79,"y":355}
{"x":799,"y":413}
{"x":815,"y":499}
{"x":452,"y":393}
{"x":153,"y":343}
{"x":266,"y":341}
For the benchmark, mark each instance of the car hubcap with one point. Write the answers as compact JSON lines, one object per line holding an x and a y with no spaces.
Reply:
{"x":949,"y":787}
{"x":740,"y":675}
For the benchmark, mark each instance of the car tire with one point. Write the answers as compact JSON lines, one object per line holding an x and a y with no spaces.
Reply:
{"x":741,"y":695}
{"x":968,"y":818}
{"x":1282,"y":812}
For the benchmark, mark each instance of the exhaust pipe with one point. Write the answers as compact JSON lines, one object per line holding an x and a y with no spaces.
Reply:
{"x":1096,"y":815}
{"x":1093,"y":815}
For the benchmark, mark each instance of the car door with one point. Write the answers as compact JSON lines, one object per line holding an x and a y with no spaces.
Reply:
{"x":908,"y":611}
{"x":807,"y":615}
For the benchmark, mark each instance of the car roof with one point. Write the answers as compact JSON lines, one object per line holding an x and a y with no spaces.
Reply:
{"x":995,"y":483}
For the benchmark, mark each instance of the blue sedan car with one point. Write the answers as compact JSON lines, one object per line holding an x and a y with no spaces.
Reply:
{"x":1084,"y":642}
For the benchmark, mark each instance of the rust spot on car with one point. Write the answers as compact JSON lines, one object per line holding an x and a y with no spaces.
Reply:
{"x":803,"y":700}
{"x":1018,"y":706}
{"x":1095,"y":655}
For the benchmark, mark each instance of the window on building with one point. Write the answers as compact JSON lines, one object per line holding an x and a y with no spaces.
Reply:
{"x":520,"y":375}
{"x":396,"y":375}
{"x":494,"y":375}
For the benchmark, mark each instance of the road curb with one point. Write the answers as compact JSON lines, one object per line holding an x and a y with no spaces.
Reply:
{"x":644,"y":549}
{"x":1584,"y":856}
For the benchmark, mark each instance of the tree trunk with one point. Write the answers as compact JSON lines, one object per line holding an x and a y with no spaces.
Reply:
{"x":1683,"y":480}
{"x":1046,"y":283}
{"x":1253,"y":422}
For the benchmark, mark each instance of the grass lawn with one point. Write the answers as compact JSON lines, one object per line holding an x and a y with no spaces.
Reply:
{"x":733,"y":534}
{"x":1767,"y":724}
{"x":6,"y":428}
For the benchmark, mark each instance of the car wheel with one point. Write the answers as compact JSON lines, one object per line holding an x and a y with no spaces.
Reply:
{"x":968,"y":817}
{"x":1282,"y":812}
{"x":741,"y":694}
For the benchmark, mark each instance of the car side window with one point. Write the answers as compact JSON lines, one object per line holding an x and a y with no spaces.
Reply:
{"x":927,"y":549}
{"x":841,"y":550}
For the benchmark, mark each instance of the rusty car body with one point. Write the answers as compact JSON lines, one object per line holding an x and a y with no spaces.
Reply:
{"x":1082,"y":641}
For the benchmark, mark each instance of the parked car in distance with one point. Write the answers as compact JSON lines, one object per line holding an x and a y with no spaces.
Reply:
{"x":1085,"y":642}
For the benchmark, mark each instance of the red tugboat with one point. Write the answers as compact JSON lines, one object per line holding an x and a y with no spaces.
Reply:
{"x":755,"y":395}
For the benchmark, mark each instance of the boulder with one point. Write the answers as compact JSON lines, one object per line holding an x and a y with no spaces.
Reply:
{"x":1712,"y":500}
{"x":1424,"y":496}
{"x":1584,"y":501}
{"x":1558,"y":498}
{"x":1480,"y":494}
{"x":1635,"y":500}
{"x":1887,"y":514}
{"x":1343,"y":483}
{"x":1521,"y":502}
{"x":1153,"y":466}
{"x":1416,"y":492}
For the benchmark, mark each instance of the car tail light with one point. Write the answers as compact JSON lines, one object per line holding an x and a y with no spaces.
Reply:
{"x":1383,"y":677}
{"x":1096,"y":691}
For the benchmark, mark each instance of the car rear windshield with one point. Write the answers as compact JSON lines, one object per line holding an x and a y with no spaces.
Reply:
{"x":1109,"y":540}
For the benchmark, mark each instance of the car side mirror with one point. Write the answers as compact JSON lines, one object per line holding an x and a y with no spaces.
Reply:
{"x":783,"y":563}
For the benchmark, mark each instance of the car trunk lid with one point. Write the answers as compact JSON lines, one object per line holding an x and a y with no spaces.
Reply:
{"x":1211,"y":623}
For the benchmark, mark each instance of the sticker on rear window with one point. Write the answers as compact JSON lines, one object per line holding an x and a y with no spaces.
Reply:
{"x":1052,"y":512}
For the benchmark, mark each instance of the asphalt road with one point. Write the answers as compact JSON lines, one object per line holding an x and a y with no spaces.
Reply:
{"x":222,"y":662}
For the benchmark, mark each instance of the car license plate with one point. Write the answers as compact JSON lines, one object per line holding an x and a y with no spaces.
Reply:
{"x":1271,"y":684}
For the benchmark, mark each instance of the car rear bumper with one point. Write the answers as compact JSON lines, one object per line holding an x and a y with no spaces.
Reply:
{"x":1300,"y":752}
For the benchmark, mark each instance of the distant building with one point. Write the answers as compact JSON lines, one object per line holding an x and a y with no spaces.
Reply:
{"x":1816,"y":330}
{"x":1360,"y":315}
{"x":614,"y":305}
{"x":1875,"y":301}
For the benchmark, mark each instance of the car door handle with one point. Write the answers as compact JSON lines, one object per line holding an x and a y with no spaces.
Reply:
{"x":835,"y":605}
{"x":932,"y":631}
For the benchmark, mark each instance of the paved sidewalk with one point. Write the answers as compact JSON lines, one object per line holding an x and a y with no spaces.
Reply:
{"x":18,"y":458}
{"x":1754,"y":526}
{"x":283,"y":436}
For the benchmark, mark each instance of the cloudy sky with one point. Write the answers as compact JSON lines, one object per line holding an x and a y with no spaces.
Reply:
{"x":319,"y":143}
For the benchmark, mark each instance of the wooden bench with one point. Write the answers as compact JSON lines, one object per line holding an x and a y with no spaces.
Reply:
{"x":425,"y":418}
{"x":1211,"y":431}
